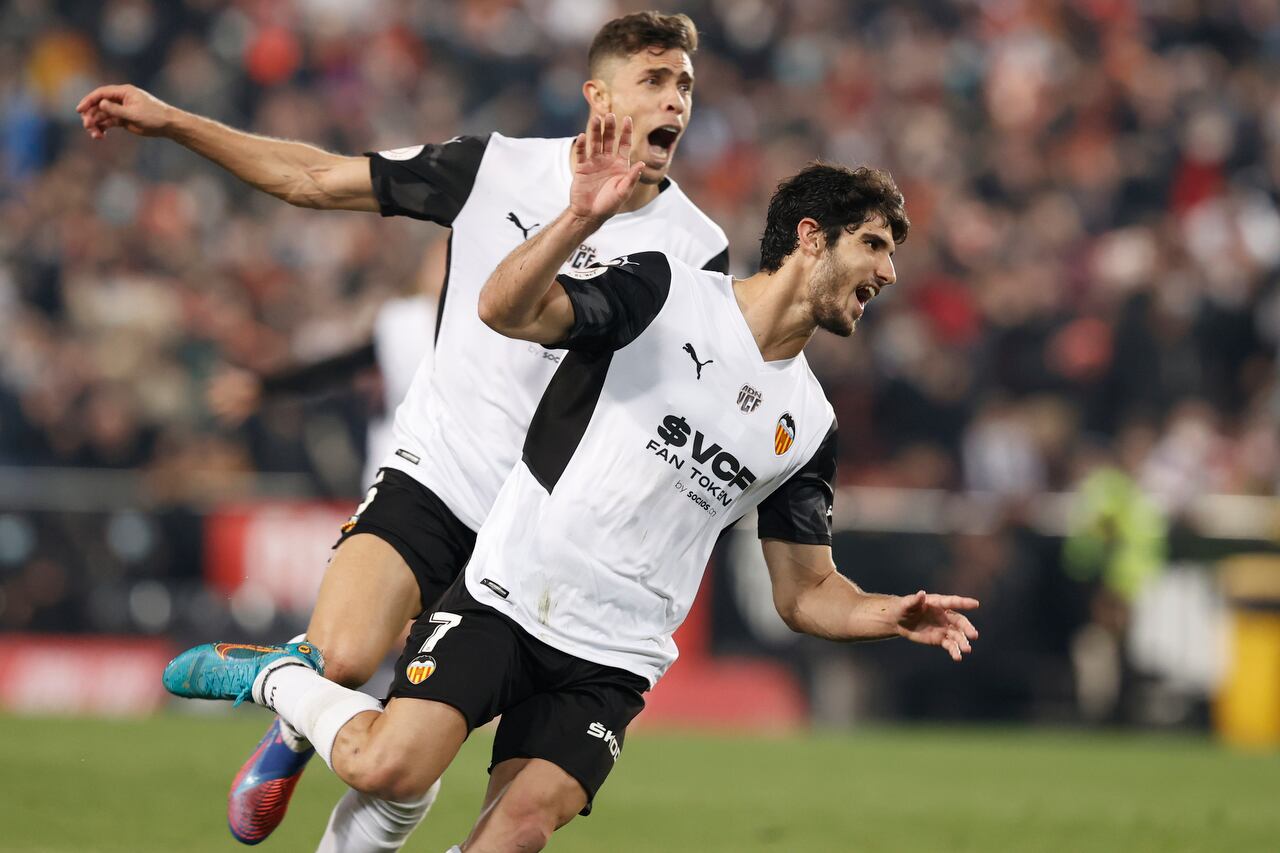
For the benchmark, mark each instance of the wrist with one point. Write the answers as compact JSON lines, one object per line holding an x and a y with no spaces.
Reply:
{"x":580,"y":225}
{"x":879,"y":616}
{"x":175,"y":124}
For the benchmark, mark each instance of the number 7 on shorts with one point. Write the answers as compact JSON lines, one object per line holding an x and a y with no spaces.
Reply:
{"x":444,"y":622}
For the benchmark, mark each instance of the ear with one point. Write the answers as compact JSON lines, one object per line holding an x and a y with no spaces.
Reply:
{"x":596,"y":94}
{"x":810,"y":238}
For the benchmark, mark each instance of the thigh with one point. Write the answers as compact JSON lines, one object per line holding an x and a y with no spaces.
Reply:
{"x":579,"y":728}
{"x":464,"y":654}
{"x":366,"y":598}
{"x":401,"y":547}
{"x":539,"y":799}
{"x":432,"y":543}
{"x":501,"y":775}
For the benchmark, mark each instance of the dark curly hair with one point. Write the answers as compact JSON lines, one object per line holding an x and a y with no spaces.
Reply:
{"x":626,"y":36}
{"x":834,"y":196}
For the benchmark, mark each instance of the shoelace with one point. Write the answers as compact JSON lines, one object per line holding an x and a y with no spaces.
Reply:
{"x":224,"y":678}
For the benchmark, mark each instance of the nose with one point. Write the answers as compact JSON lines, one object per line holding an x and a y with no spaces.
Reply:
{"x":673,"y":100}
{"x":885,"y":273}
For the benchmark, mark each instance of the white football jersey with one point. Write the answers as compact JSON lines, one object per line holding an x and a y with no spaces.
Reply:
{"x":461,"y":426}
{"x":662,"y":427}
{"x":402,"y":333}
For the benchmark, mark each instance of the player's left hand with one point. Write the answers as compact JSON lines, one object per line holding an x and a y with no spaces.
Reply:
{"x":932,"y":620}
{"x":603,"y":174}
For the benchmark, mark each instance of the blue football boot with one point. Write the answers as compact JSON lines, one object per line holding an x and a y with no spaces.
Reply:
{"x":261,"y":791}
{"x":228,"y":670}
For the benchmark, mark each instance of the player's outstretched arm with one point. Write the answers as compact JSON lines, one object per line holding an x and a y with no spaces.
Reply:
{"x":521,"y":299}
{"x":298,"y":173}
{"x":813,"y":598}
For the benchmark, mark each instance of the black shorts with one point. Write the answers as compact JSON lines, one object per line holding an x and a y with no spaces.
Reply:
{"x":410,"y":518}
{"x":554,"y":706}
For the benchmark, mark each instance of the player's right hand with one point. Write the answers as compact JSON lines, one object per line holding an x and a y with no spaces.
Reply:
{"x":233,"y":394}
{"x":603,"y":174}
{"x":123,"y":105}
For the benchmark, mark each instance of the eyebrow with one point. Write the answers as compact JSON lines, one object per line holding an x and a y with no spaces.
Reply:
{"x":879,"y":242}
{"x":663,"y":71}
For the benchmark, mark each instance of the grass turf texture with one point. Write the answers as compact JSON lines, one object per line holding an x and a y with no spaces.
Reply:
{"x":160,"y":785}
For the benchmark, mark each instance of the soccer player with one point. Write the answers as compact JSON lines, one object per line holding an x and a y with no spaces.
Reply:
{"x":645,"y":446}
{"x":459,"y":431}
{"x":399,"y":348}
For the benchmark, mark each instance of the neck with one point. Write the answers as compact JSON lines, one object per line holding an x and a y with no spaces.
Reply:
{"x":775,"y":307}
{"x":640,"y":196}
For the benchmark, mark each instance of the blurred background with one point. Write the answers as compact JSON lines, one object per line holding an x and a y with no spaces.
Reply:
{"x":1068,"y":408}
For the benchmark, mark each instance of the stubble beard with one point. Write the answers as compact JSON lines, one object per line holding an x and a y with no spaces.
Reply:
{"x":824,"y":298}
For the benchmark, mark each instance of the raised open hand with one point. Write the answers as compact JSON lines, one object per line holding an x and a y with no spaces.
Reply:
{"x":932,"y":620}
{"x":124,"y":106}
{"x":233,"y":395}
{"x":603,"y":174}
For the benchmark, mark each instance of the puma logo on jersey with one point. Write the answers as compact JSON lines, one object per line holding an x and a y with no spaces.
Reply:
{"x":700,"y":364}
{"x":515,"y":220}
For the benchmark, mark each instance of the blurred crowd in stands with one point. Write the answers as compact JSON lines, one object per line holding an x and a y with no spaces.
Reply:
{"x":1091,"y":275}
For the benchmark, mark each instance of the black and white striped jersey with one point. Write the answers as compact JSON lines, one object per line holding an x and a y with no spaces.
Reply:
{"x":462,"y":423}
{"x":662,"y":426}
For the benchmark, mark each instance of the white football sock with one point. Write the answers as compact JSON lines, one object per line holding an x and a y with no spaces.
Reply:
{"x":454,"y":849}
{"x":291,"y":737}
{"x":361,"y":823}
{"x":314,"y":706}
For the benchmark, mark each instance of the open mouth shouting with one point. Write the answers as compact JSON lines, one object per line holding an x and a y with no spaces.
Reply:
{"x":662,"y":140}
{"x":863,"y":294}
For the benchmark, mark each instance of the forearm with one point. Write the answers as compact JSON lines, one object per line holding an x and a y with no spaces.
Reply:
{"x":838,"y":609}
{"x":321,"y":375}
{"x":512,"y":299}
{"x":292,"y":171}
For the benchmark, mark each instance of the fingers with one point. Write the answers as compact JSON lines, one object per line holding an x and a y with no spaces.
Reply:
{"x":113,"y":108}
{"x":609,"y":137}
{"x":962,"y":624}
{"x":633,"y":177}
{"x":593,"y":137}
{"x":94,"y":116}
{"x":606,"y":138}
{"x":116,"y":91}
{"x":956,"y":645}
{"x":912,"y":603}
{"x":624,"y":139}
{"x":952,"y":602}
{"x":580,"y":147}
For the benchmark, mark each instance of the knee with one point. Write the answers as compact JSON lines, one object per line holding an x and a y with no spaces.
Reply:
{"x":346,"y":663}
{"x":396,"y":782}
{"x":389,"y":777}
{"x":528,"y":818}
{"x":531,"y":833}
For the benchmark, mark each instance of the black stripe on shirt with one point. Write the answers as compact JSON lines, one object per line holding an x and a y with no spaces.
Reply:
{"x":800,"y":509}
{"x":434,"y":184}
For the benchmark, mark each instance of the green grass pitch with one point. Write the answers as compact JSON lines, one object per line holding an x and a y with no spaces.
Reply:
{"x":159,"y":785}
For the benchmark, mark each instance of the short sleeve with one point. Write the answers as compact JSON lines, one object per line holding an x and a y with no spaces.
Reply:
{"x":615,"y":301}
{"x":720,"y":263}
{"x":430,"y":182}
{"x":800,"y":509}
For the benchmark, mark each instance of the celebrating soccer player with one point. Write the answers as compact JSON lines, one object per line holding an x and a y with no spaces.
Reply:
{"x":641,"y":452}
{"x":460,"y":429}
